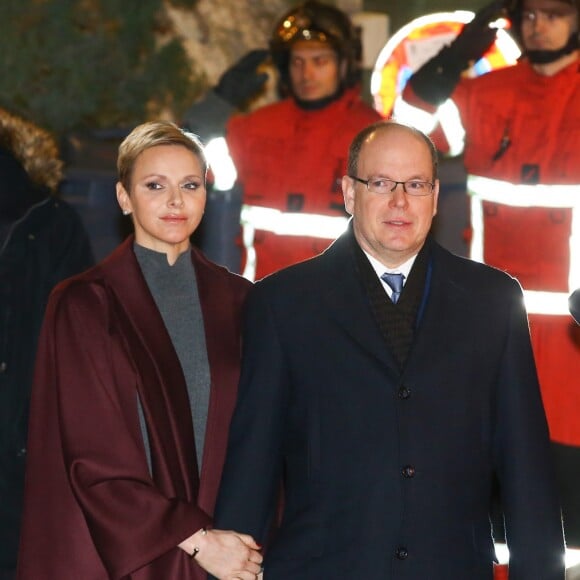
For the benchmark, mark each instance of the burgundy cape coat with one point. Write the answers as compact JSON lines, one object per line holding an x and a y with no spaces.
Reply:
{"x":92,"y":509}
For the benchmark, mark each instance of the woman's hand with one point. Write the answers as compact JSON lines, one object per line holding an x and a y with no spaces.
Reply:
{"x":226,"y":555}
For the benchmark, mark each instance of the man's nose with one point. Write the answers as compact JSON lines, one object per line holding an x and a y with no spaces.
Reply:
{"x":308,"y":70}
{"x":540,"y":20}
{"x":398,"y":195}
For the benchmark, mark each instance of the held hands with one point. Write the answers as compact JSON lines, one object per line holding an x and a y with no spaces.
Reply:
{"x":242,"y":81}
{"x":225,"y":554}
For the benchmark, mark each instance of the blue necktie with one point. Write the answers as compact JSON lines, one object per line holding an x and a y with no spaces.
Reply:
{"x":395,"y":282}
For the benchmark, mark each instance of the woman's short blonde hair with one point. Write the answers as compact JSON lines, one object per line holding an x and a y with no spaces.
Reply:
{"x":152,"y":134}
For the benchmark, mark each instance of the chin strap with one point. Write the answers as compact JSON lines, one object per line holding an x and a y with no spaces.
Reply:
{"x":318,"y":104}
{"x":548,"y":56}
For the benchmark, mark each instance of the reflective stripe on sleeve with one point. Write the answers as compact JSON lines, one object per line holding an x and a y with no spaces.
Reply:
{"x":522,"y":195}
{"x":293,"y":223}
{"x":555,"y":303}
{"x":255,"y":218}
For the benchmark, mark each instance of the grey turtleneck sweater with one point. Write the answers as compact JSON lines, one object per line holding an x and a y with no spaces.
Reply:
{"x":174,"y":289}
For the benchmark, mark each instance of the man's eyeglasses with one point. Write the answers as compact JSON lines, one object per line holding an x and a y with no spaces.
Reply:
{"x":383,"y":185}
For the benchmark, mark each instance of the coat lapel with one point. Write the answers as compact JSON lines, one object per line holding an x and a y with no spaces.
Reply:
{"x":162,"y":389}
{"x":442,"y":314}
{"x":221,"y":307}
{"x":348,"y":304}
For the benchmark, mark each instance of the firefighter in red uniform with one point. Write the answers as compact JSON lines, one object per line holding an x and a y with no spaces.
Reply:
{"x":522,"y":156}
{"x":290,"y":156}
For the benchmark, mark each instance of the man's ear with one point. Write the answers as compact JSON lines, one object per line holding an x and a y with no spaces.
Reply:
{"x":342,"y":70}
{"x":348,"y":193}
{"x":435,"y":197}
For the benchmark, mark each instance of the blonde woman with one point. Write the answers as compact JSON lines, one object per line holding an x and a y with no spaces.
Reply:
{"x":135,"y":384}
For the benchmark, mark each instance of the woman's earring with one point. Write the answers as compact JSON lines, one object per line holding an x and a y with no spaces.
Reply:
{"x":126,"y":212}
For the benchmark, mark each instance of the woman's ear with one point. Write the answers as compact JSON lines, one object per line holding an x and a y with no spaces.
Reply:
{"x":123,"y":199}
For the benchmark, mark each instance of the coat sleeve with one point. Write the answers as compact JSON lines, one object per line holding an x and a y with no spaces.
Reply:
{"x":209,"y":116}
{"x":105,"y":479}
{"x":252,"y":474}
{"x":523,"y":457}
{"x":72,"y":241}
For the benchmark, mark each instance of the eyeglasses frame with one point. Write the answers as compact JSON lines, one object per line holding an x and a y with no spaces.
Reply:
{"x":396,"y":183}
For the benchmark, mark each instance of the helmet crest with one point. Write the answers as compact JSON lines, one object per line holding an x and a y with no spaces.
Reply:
{"x":317,"y":22}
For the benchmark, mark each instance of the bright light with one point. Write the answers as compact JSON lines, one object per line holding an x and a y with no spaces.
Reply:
{"x":410,"y":115}
{"x":502,"y":553}
{"x":572,"y":557}
{"x":415,"y":44}
{"x":222,"y":166}
{"x":450,"y":121}
{"x":463,"y":16}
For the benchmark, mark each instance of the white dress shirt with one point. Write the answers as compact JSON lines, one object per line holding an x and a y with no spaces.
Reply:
{"x":380,"y":269}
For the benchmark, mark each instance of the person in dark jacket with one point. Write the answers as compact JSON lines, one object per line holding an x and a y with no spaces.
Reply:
{"x":42,"y":241}
{"x":383,"y":384}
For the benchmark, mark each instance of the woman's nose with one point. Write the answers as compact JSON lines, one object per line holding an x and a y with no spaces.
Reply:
{"x":176,"y":198}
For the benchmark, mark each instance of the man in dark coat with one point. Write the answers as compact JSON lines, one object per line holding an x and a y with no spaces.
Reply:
{"x":42,"y":241}
{"x":385,"y":412}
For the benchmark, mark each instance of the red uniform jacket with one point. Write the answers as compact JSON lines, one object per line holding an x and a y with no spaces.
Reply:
{"x":540,"y":117}
{"x":293,"y":160}
{"x":92,"y":509}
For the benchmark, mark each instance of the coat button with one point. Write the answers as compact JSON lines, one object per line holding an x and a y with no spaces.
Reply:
{"x":3,"y":367}
{"x":404,"y":393}
{"x":401,"y":553}
{"x":408,"y":471}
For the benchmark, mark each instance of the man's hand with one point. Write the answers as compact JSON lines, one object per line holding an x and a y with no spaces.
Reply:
{"x":435,"y":80}
{"x":242,"y":81}
{"x":476,"y":36}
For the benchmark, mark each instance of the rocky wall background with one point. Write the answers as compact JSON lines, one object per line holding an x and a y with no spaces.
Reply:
{"x":216,"y":33}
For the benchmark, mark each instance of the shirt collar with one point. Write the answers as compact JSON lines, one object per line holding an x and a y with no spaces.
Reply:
{"x":380,"y":269}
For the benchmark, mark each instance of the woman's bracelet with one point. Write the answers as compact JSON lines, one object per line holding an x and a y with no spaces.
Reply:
{"x":196,"y":548}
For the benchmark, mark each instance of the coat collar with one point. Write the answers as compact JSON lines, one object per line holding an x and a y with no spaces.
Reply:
{"x":221,"y":308}
{"x":164,"y":392}
{"x":345,"y":297}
